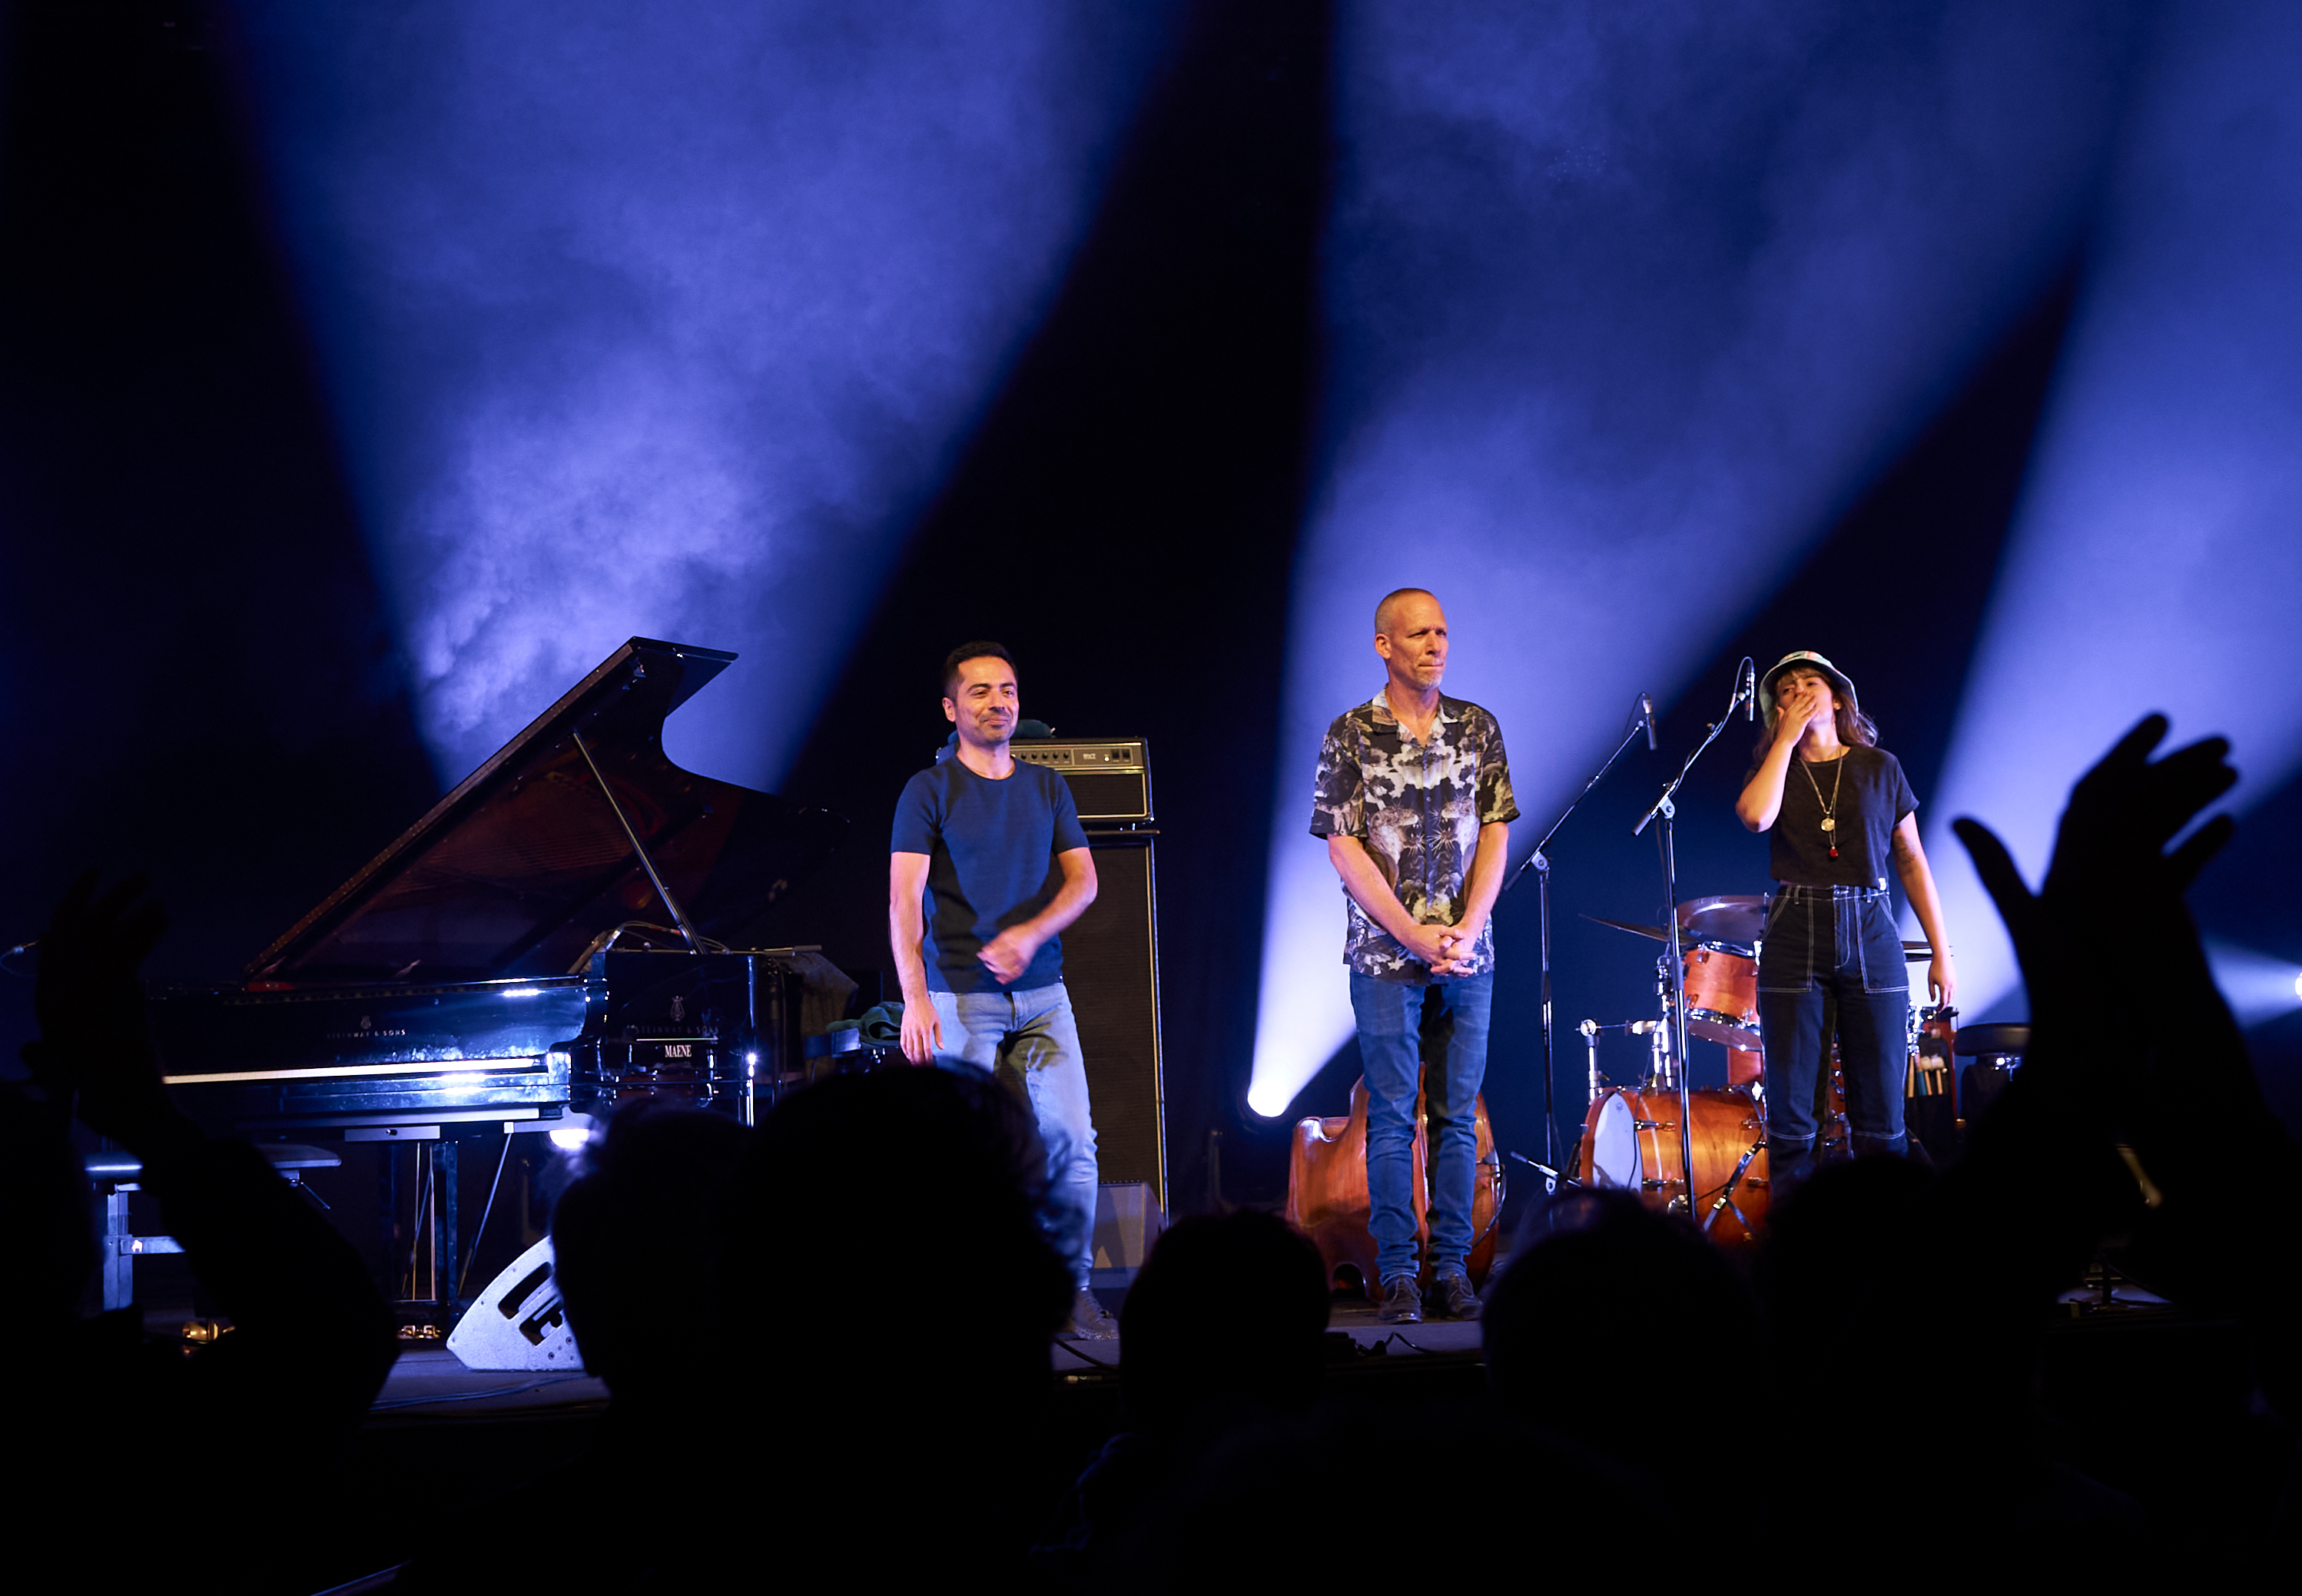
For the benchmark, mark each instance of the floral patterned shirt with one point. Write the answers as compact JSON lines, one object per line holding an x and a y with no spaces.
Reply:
{"x":1416,"y":807}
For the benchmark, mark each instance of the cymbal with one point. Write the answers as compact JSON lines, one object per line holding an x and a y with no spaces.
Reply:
{"x":1657,"y":932}
{"x":1738,"y":919}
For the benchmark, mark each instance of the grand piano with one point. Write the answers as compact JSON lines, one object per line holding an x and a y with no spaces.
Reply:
{"x":547,"y":941}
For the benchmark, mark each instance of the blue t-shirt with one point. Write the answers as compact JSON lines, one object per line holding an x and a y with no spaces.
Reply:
{"x":991,"y":849}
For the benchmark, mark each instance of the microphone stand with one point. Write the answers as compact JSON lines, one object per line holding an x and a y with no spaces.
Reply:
{"x":1665,"y":810}
{"x":1539,"y":861}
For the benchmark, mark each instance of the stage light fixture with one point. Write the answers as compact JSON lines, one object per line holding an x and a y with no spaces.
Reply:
{"x":2258,"y":987}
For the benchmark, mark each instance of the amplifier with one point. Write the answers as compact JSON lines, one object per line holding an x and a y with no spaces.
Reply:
{"x":1109,"y":777}
{"x":1111,"y":963}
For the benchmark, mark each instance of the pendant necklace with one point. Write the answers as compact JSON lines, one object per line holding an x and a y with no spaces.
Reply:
{"x":1830,"y":809}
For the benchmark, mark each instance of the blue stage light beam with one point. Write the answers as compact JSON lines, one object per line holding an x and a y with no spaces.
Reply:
{"x":1627,"y":303}
{"x":2258,"y":987}
{"x":666,"y":319}
{"x":2157,"y":560}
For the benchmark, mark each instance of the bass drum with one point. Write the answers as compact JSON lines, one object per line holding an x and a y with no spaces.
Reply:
{"x":1630,"y":1143}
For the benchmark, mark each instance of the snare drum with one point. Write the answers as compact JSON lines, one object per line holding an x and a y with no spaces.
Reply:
{"x":1722,"y":993}
{"x":1630,"y":1142}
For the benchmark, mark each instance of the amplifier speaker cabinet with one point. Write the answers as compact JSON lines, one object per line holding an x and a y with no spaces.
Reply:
{"x":1111,"y":954}
{"x":1111,"y":965}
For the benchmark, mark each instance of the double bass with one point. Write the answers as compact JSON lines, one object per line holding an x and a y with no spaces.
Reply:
{"x":1327,"y":1197}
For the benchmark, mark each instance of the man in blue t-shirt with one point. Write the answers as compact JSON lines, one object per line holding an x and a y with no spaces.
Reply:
{"x":986,"y":867}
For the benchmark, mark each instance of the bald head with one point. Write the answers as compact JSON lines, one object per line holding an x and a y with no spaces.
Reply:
{"x":1386,"y":614}
{"x":1410,"y":634}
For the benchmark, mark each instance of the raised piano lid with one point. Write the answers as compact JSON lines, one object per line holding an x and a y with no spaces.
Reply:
{"x":524,"y":866}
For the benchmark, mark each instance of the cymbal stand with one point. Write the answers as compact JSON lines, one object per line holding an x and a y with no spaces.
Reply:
{"x":1665,"y":810}
{"x":1539,"y":861}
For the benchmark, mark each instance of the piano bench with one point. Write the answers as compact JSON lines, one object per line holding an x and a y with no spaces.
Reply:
{"x":116,"y":1173}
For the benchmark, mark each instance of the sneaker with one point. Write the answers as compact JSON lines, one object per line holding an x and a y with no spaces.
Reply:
{"x":1457,"y":1299}
{"x":1090,"y":1320}
{"x":1402,"y":1303}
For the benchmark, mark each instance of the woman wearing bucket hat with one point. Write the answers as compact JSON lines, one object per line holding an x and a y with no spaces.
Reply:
{"x":1839,"y":810}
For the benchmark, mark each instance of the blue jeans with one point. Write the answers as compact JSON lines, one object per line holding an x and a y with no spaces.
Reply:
{"x":1033,"y":1033}
{"x":1838,"y":941}
{"x":1391,"y":1019}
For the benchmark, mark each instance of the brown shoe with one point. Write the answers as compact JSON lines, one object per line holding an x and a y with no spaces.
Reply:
{"x":1457,"y":1299}
{"x":1402,"y":1303}
{"x":1090,"y":1320}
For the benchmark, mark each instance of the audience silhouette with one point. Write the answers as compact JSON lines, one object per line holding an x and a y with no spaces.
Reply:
{"x":1602,"y":1276}
{"x":637,"y":1241}
{"x":1224,"y":1329}
{"x":889,"y":1285}
{"x":129,"y":1459}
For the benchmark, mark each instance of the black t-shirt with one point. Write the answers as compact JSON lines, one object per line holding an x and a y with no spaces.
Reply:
{"x":1873,"y":796}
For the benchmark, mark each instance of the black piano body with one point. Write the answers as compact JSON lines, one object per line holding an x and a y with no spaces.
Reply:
{"x":542,"y":942}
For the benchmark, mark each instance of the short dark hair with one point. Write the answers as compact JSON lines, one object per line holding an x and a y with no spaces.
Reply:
{"x":981,"y":649}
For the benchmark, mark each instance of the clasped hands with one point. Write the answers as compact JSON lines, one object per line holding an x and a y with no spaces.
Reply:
{"x":1447,"y":949}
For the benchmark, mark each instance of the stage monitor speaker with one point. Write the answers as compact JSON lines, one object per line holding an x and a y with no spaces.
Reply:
{"x":1111,"y":965}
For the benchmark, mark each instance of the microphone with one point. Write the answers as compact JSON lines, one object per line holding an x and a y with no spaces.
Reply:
{"x":1749,"y":690}
{"x":1646,"y":718}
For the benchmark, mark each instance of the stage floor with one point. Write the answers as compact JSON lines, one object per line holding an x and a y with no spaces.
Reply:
{"x":429,"y":1381}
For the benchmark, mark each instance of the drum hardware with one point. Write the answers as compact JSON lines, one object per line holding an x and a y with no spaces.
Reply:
{"x":1658,"y":1071}
{"x":1556,"y":1178}
{"x":1726,"y":1193}
{"x":1539,"y":861}
{"x":1720,"y":974}
{"x":1665,"y":810}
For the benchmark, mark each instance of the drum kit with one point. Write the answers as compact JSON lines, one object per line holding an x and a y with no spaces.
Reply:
{"x":1631,"y":1134}
{"x":1647,"y":1137}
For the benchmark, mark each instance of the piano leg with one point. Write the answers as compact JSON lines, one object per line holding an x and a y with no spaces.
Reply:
{"x":119,"y":1258}
{"x":387,"y":1215}
{"x":445,"y":1239}
{"x":430,"y":1237}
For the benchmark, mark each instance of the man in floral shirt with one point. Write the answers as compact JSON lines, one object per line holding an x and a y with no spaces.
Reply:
{"x":1414,"y":798}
